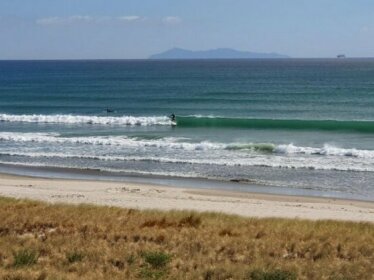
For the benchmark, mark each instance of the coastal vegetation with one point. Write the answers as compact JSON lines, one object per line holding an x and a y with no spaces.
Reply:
{"x":45,"y":241}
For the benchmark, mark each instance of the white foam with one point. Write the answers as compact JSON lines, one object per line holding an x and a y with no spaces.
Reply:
{"x":76,"y":119}
{"x":326,"y":150}
{"x":127,"y":171}
{"x":181,"y":144}
{"x":299,"y":162}
{"x":115,"y":158}
{"x":168,"y":142}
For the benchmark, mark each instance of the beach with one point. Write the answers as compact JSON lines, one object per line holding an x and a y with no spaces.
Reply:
{"x":152,"y":196}
{"x":204,"y":140}
{"x":234,"y":169}
{"x":247,"y":137}
{"x":286,"y":126}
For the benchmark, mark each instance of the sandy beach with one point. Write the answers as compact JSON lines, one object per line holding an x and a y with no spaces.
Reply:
{"x":147,"y":196}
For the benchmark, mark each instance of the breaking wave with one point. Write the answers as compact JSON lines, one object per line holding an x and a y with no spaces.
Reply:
{"x":299,"y":163}
{"x":76,"y":119}
{"x":197,"y":121}
{"x":182,"y":144}
{"x":123,"y":141}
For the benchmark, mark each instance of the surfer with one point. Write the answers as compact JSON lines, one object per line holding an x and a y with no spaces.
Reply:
{"x":108,"y":110}
{"x":172,"y":117}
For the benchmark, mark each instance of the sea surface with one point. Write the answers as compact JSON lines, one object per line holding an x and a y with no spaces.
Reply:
{"x":292,"y":124}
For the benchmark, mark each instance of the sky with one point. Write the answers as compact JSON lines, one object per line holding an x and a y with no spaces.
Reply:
{"x":130,"y":29}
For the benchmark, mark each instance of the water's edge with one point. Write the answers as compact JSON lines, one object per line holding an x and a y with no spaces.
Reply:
{"x":188,"y":183}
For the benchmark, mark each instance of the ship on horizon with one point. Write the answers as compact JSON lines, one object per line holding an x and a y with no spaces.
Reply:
{"x":341,"y":56}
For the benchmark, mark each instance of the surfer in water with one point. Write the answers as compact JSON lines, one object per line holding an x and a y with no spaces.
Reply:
{"x":172,"y":117}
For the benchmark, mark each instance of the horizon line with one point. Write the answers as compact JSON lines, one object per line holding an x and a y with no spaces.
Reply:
{"x":170,"y":59}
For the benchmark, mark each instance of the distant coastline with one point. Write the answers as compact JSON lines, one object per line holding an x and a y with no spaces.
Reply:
{"x":221,"y":53}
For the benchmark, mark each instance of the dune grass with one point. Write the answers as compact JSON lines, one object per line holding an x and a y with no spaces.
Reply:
{"x":43,"y":241}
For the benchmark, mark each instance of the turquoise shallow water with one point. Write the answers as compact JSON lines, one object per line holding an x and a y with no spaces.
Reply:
{"x":290,"y":123}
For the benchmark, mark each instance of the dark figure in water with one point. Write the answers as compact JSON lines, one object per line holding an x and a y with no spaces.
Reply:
{"x":108,"y":110}
{"x":172,"y":117}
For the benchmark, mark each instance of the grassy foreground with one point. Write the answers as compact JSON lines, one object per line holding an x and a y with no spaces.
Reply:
{"x":42,"y":241}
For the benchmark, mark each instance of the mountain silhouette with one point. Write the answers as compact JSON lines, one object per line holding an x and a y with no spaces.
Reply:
{"x":221,"y":53}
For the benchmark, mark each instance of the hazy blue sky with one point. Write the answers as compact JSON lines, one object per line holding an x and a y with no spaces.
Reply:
{"x":138,"y":28}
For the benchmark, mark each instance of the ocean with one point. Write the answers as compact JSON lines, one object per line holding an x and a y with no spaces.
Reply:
{"x":284,"y":125}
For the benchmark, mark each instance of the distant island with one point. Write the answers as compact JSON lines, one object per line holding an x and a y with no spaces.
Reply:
{"x":222,"y":53}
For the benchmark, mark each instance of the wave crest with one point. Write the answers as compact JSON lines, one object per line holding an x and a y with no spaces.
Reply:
{"x":182,"y":144}
{"x":293,"y":124}
{"x":326,"y":150}
{"x":79,"y":119}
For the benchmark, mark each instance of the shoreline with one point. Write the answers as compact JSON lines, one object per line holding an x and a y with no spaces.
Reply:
{"x":194,"y":183}
{"x":153,"y":196}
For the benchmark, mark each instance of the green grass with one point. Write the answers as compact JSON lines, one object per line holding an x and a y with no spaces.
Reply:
{"x":156,"y":259}
{"x":25,"y":257}
{"x":271,"y":275}
{"x":74,"y":256}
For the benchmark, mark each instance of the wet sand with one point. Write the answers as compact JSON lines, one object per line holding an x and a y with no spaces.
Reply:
{"x":151,"y":196}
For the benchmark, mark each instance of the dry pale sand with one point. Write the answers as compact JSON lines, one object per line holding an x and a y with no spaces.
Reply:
{"x":145,"y":196}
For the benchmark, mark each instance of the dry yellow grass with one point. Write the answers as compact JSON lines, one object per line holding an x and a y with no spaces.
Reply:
{"x":42,"y":241}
